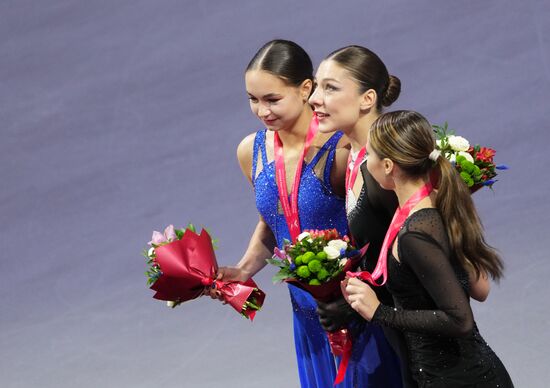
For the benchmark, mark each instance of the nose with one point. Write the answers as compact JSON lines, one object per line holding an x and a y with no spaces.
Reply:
{"x":315,"y":98}
{"x":263,"y":110}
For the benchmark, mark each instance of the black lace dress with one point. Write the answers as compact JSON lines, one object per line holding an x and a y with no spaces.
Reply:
{"x":430,"y":290}
{"x":369,"y":217}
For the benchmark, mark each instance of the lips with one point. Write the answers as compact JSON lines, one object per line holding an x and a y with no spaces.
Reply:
{"x":321,"y":115}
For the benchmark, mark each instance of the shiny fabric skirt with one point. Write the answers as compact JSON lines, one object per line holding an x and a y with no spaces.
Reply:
{"x":373,"y":362}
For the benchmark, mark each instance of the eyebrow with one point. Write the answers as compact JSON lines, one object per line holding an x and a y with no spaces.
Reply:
{"x":329,"y":80}
{"x":269,"y":95}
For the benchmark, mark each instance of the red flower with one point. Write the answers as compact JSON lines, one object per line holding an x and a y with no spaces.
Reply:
{"x":327,"y":234}
{"x":485,"y":154}
{"x":331,"y":234}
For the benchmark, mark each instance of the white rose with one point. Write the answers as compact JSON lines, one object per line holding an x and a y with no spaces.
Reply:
{"x":468,"y":157}
{"x":303,"y":235}
{"x":332,"y":252}
{"x":458,"y":143}
{"x":338,"y":244}
{"x":343,"y":261}
{"x":170,"y":303}
{"x":151,"y":252}
{"x":438,"y":143}
{"x":452,"y":158}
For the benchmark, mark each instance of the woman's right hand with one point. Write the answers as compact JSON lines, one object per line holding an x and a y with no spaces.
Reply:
{"x":228,"y":274}
{"x":232,"y":274}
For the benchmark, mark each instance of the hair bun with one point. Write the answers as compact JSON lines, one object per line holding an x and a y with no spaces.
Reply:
{"x":392,"y":92}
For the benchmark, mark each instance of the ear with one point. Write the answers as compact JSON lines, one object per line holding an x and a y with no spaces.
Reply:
{"x":305,"y":89}
{"x":388,"y":166}
{"x":368,"y":100}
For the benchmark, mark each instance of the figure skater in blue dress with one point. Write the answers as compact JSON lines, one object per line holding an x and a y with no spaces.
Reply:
{"x":279,"y":82}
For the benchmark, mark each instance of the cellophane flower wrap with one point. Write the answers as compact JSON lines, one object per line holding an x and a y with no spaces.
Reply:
{"x":182,"y":266}
{"x":475,"y":164}
{"x":317,"y":262}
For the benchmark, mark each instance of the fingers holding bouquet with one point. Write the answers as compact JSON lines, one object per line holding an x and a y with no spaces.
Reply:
{"x":225,"y":274}
{"x":360,"y":296}
{"x":182,"y":266}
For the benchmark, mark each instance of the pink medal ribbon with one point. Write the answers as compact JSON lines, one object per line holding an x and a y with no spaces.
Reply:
{"x":351,"y":176}
{"x":290,"y":208}
{"x":399,"y":218}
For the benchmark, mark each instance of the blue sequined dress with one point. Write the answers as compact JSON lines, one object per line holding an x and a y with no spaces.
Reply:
{"x":373,"y":363}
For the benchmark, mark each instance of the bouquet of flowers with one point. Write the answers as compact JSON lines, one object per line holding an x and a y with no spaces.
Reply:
{"x":474,"y":164}
{"x":318,"y":257}
{"x":182,"y":266}
{"x":317,"y":263}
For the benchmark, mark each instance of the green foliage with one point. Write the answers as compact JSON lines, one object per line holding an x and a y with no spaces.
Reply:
{"x":282,"y":275}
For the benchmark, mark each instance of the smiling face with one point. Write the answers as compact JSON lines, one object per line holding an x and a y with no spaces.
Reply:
{"x":277,"y":104}
{"x":336,"y":99}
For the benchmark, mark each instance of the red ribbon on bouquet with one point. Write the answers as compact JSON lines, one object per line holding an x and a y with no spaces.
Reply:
{"x":189,"y":266}
{"x":340,"y":341}
{"x":399,"y":218}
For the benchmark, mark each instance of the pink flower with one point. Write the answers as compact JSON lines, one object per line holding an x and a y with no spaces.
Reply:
{"x":280,"y":254}
{"x":170,"y":233}
{"x":159,"y":238}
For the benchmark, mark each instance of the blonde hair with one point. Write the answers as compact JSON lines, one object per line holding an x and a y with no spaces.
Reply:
{"x":407,"y":138}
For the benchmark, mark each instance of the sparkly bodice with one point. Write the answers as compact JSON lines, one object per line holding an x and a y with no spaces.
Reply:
{"x":319,"y":207}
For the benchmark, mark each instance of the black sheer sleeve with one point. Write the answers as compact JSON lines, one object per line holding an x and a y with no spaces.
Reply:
{"x":451,"y":314}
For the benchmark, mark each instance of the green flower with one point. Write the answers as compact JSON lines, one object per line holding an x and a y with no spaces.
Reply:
{"x":467,"y":178}
{"x":314,"y":282}
{"x":322,"y":274}
{"x":314,"y":265}
{"x":306,"y":257}
{"x":303,"y":271}
{"x":321,"y":256}
{"x":467,"y":166}
{"x":298,"y":260}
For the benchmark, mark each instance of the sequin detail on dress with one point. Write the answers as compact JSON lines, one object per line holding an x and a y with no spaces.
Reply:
{"x":319,"y":208}
{"x":430,"y":290}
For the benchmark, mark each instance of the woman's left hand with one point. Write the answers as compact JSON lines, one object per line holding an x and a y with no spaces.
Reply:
{"x":360,"y":297}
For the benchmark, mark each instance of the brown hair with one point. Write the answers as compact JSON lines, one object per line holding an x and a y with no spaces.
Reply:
{"x":407,"y":138}
{"x":370,"y":72}
{"x":284,"y":59}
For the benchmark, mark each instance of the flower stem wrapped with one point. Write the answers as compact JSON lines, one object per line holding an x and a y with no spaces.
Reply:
{"x":182,"y":266}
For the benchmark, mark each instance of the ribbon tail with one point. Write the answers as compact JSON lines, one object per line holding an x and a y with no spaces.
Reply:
{"x":346,"y":355}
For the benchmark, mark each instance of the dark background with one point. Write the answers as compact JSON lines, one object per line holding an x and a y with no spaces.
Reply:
{"x":120,"y":117}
